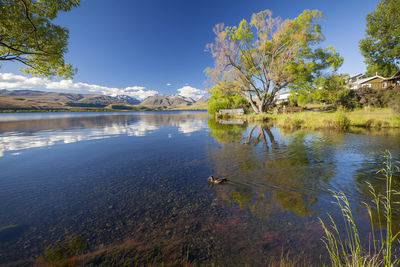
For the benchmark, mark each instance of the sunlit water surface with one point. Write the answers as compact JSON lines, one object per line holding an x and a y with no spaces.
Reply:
{"x":142,"y":177}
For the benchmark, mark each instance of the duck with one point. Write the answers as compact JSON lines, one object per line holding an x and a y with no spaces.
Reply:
{"x":211,"y":179}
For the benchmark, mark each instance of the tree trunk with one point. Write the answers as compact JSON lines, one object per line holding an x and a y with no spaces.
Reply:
{"x":269,"y":102}
{"x":252,"y":104}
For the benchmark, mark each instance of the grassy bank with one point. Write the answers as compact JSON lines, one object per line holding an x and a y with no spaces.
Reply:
{"x":368,"y":118}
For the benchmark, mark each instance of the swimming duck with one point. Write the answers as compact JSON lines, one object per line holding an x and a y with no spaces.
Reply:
{"x":211,"y":179}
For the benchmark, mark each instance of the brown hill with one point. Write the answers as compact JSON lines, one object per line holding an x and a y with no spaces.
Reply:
{"x":8,"y":103}
{"x":202,"y":100}
{"x":65,"y":97}
{"x":168,"y":101}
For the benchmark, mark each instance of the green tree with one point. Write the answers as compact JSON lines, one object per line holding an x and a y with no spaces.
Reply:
{"x":223,"y":96}
{"x":322,"y":89}
{"x":381,"y":46}
{"x":268,"y":54}
{"x":27,"y":35}
{"x":329,"y":88}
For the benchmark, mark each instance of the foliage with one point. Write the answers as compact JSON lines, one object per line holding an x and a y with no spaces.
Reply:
{"x":347,"y":250}
{"x":381,"y":46}
{"x":60,"y":253}
{"x":366,"y":97}
{"x":349,"y":99}
{"x":225,"y":133}
{"x":345,"y":99}
{"x":330,"y":89}
{"x":27,"y":35}
{"x":300,"y":98}
{"x":122,"y":107}
{"x":267,"y":54}
{"x":224,"y":99}
{"x":85,"y":105}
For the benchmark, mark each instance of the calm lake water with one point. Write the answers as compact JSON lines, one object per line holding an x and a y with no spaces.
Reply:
{"x":141,"y":178}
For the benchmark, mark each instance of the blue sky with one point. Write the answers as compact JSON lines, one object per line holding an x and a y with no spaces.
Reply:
{"x":148,"y":44}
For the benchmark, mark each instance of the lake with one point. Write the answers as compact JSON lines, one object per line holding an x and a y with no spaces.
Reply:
{"x":140,"y":179}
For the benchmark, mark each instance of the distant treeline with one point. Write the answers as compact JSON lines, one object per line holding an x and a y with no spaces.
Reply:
{"x":85,"y":105}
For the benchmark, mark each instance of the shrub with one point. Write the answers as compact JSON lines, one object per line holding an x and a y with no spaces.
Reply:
{"x":221,"y":98}
{"x":342,"y":122}
{"x":345,"y":99}
{"x":369,"y":123}
{"x":293,"y":123}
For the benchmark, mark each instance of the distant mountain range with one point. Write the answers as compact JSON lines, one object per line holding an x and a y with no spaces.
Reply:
{"x":68,"y":97}
{"x":168,"y":101}
{"x":174,"y":101}
{"x":30,"y":99}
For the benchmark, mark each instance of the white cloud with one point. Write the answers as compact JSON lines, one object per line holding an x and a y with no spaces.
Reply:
{"x":192,"y":92}
{"x":191,"y":126}
{"x":14,"y":141}
{"x":14,"y":81}
{"x":168,"y":84}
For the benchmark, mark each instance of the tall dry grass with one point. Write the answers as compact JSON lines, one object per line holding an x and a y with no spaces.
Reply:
{"x":346,"y":249}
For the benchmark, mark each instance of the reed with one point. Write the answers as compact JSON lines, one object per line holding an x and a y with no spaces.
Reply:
{"x":346,"y":249}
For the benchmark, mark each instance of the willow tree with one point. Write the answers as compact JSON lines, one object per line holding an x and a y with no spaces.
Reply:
{"x":257,"y":59}
{"x":28,"y":36}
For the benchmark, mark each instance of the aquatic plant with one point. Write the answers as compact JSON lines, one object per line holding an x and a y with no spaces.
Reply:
{"x":62,"y":253}
{"x":347,"y":250}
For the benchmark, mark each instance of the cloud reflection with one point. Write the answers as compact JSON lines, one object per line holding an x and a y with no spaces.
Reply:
{"x":23,"y":135}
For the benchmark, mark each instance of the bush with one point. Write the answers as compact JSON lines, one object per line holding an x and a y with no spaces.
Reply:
{"x":224,"y":99}
{"x":214,"y":105}
{"x":342,"y":122}
{"x":345,"y":99}
{"x":377,"y":98}
{"x":393,"y":99}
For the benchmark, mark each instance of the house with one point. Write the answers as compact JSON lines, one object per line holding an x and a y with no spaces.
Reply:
{"x":282,"y":98}
{"x":392,"y":81}
{"x":374,"y":82}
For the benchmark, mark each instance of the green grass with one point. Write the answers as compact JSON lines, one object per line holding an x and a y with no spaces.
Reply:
{"x":379,"y":118}
{"x":346,"y":249}
{"x":251,"y":117}
{"x":367,"y":118}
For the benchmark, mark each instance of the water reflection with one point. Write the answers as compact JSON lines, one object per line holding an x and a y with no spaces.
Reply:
{"x":365,"y":176}
{"x":274,"y":170}
{"x":24,"y":134}
{"x":269,"y":172}
{"x":144,"y":181}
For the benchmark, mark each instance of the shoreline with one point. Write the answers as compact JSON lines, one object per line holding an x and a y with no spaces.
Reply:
{"x":341,"y":120}
{"x":96,"y":110}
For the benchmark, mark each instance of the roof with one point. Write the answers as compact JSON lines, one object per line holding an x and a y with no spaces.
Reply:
{"x":395,"y":76}
{"x":368,"y":79}
{"x":356,"y":75}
